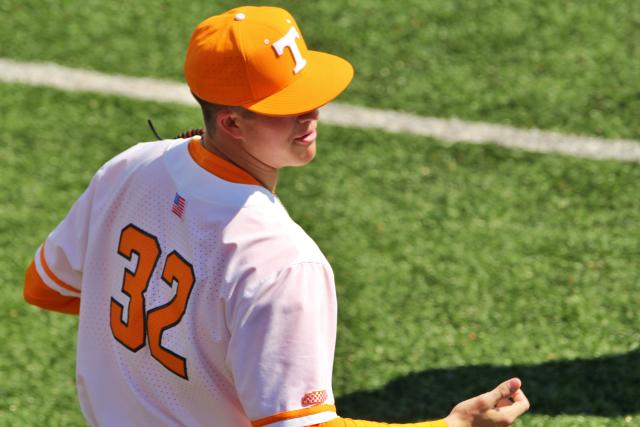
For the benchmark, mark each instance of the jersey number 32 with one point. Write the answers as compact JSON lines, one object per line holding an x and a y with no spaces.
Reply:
{"x":132,"y":331}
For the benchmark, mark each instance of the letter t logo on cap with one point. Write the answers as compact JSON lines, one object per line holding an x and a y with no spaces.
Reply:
{"x":289,"y":40}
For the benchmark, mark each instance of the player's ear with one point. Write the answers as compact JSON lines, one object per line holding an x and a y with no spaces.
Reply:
{"x":227,"y":122}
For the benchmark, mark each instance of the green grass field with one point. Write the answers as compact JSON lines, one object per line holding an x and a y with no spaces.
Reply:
{"x":456,"y":265}
{"x":568,"y":65}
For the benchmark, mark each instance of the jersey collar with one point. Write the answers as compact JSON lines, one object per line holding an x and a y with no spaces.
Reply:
{"x":218,"y":166}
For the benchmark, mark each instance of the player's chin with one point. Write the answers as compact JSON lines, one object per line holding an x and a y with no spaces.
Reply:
{"x":304,"y":153}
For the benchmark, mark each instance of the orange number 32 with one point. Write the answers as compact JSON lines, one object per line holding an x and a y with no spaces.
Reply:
{"x":132,"y":331}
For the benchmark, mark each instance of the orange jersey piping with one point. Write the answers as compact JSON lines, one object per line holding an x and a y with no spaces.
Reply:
{"x":37,"y":293}
{"x":282,"y":416}
{"x":348,"y":422}
{"x":51,"y":275}
{"x":218,"y":166}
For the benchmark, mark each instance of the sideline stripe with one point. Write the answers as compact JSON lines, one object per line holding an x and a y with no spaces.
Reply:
{"x":453,"y":130}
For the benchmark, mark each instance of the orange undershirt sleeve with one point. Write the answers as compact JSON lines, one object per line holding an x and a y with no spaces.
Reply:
{"x":37,"y":293}
{"x":347,"y":422}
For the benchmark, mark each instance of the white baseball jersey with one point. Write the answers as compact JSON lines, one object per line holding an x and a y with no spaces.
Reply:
{"x":202,"y":303}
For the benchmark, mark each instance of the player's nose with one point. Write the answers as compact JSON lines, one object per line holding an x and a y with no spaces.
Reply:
{"x":309,"y":116}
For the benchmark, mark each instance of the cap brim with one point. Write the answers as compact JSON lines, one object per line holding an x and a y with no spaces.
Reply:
{"x":325,"y":77}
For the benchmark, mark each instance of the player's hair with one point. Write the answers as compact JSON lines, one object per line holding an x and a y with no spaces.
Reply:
{"x":209,"y":112}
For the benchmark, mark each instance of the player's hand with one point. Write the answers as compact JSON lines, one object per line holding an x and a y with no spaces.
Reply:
{"x":498,"y":407}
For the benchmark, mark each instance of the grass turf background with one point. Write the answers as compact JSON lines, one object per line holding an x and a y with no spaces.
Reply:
{"x":456,"y":265}
{"x":566,"y":65}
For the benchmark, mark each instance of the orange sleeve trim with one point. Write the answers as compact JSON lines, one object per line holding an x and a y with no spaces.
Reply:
{"x":347,"y":422}
{"x":37,"y":293}
{"x":218,"y":166}
{"x":51,"y":275}
{"x":282,"y":416}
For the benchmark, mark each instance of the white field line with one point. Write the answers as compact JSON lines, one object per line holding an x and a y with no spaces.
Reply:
{"x":454,"y":130}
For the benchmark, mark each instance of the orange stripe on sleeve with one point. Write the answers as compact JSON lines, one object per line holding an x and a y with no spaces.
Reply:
{"x":37,"y":293}
{"x":282,"y":416}
{"x":52,"y":275}
{"x":346,"y":422}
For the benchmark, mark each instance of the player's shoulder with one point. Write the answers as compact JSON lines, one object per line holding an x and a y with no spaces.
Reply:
{"x":138,"y":154}
{"x":129,"y":162}
{"x":272,"y":234}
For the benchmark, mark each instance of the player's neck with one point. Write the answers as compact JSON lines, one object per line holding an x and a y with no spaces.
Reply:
{"x":228,"y":150}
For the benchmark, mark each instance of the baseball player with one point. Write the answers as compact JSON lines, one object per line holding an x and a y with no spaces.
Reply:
{"x":201,"y":302}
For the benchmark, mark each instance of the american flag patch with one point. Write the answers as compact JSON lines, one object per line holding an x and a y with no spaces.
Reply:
{"x":314,"y":398}
{"x":179,"y":203}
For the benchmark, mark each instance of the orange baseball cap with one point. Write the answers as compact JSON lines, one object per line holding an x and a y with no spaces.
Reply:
{"x":255,"y":57}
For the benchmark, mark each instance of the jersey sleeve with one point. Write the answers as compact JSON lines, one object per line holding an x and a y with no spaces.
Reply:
{"x":53,"y":280}
{"x":347,"y":422}
{"x":282,"y":346}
